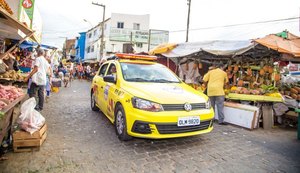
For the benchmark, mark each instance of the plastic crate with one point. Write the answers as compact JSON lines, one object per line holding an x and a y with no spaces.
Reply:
{"x":25,"y":69}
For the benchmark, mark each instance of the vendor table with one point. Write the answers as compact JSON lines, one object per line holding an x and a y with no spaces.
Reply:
{"x":256,"y":98}
{"x":9,"y":116}
{"x":267,"y":111}
{"x":20,"y":84}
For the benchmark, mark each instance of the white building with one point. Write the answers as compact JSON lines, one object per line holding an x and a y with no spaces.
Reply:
{"x":122,"y":33}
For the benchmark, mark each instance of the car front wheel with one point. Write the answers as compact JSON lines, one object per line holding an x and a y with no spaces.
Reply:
{"x":93,"y":102}
{"x":120,"y":124}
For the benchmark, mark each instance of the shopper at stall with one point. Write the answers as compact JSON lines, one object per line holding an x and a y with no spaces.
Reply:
{"x":80,"y":71}
{"x":39,"y":79}
{"x":88,"y":72}
{"x":11,"y":62}
{"x":215,"y":81}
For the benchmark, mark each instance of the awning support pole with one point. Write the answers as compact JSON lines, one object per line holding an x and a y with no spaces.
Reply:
{"x":13,"y":47}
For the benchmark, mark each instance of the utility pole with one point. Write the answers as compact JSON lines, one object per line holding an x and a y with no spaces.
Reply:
{"x":188,"y":20}
{"x":149,"y":40}
{"x":102,"y":28}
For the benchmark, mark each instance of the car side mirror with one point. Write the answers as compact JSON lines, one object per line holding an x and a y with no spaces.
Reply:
{"x":110,"y":78}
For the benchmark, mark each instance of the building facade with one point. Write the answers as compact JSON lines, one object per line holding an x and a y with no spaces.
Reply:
{"x":122,"y":33}
{"x":69,"y":50}
{"x":80,"y":46}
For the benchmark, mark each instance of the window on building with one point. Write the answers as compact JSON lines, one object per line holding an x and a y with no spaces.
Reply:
{"x":120,"y":25}
{"x":92,"y":49}
{"x":90,"y":35}
{"x":88,"y":49}
{"x":95,"y":32}
{"x":136,"y":26}
{"x":140,"y":45}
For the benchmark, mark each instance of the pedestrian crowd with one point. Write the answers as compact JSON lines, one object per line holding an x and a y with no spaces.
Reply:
{"x":42,"y":73}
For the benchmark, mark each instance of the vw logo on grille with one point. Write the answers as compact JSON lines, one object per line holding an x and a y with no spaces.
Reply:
{"x":187,"y":107}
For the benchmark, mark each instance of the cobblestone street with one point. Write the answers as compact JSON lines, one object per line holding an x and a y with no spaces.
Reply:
{"x":80,"y":140}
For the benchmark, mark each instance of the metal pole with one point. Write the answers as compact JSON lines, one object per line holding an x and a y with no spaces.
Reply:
{"x":149,"y":40}
{"x":188,"y":20}
{"x":102,"y":28}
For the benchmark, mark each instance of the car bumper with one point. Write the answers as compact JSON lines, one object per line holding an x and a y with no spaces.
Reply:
{"x":159,"y":125}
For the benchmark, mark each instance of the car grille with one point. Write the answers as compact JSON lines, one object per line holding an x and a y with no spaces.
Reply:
{"x":173,"y":128}
{"x":180,"y":107}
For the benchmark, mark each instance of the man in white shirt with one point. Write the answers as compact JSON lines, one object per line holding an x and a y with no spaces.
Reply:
{"x":39,"y":78}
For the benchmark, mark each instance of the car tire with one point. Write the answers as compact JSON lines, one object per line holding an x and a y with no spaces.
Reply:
{"x":120,"y":124}
{"x":93,"y":102}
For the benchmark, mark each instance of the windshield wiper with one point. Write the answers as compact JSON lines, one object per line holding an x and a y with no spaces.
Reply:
{"x":163,"y":81}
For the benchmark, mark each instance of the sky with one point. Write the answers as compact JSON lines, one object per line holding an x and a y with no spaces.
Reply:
{"x":209,"y":19}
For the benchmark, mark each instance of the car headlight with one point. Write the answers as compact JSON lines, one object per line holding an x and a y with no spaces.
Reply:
{"x":208,"y":104}
{"x":146,"y":105}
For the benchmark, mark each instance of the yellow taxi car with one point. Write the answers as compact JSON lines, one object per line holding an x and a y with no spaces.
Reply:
{"x":143,"y":98}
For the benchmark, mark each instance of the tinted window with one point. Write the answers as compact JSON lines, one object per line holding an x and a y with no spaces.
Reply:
{"x":102,"y":70}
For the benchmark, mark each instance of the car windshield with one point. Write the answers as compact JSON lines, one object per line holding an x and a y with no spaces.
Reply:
{"x":156,"y":73}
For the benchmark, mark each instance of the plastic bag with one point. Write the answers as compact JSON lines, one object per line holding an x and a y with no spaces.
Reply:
{"x":30,"y":120}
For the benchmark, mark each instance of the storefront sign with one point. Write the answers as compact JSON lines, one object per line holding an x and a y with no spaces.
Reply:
{"x":294,"y":67}
{"x":28,"y":5}
{"x":158,"y":37}
{"x":129,"y":35}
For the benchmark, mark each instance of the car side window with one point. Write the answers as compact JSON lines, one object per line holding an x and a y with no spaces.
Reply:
{"x":112,"y":70}
{"x":102,"y":70}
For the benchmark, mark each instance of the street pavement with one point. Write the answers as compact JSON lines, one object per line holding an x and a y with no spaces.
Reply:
{"x":80,"y":140}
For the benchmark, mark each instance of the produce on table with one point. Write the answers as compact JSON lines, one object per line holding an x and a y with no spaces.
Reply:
{"x":13,"y":75}
{"x":10,"y":92}
{"x":2,"y":104}
{"x":292,"y":90}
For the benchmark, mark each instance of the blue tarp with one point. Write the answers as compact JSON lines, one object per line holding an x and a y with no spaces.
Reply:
{"x":28,"y":44}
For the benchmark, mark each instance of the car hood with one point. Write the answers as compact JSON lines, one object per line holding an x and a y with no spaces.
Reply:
{"x":165,"y":93}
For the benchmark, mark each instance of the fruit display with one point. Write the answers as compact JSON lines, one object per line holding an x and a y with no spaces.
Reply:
{"x":262,"y":90}
{"x":5,"y":6}
{"x":291,"y":90}
{"x":10,"y":93}
{"x":260,"y":78}
{"x":13,"y":75}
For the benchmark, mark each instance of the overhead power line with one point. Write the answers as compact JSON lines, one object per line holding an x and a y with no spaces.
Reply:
{"x":195,"y":29}
{"x":240,"y":24}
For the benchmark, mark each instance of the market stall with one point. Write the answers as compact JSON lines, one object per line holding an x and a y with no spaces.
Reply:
{"x":252,"y":69}
{"x":10,"y":96}
{"x":10,"y":99}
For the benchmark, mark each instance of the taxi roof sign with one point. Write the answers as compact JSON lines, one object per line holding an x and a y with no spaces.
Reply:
{"x":135,"y":57}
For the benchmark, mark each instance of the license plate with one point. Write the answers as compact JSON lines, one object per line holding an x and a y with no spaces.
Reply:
{"x":188,"y":121}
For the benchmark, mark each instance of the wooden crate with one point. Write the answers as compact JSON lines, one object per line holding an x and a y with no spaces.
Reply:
{"x":25,"y":142}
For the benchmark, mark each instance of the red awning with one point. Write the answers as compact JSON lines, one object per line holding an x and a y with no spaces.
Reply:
{"x":289,"y":45}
